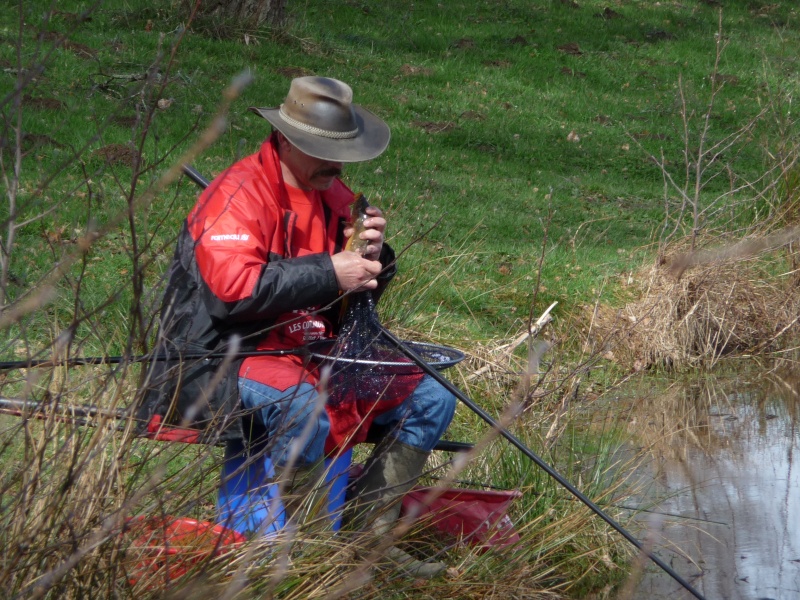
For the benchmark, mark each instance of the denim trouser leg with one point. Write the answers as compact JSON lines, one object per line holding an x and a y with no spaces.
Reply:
{"x":248,"y":497}
{"x":422,"y":418}
{"x":248,"y":500}
{"x":285,"y":414}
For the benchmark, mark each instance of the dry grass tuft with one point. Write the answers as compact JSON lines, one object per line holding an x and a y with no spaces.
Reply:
{"x":715,"y":309}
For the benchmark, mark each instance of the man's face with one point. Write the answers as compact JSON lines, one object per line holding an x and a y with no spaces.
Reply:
{"x":306,"y":172}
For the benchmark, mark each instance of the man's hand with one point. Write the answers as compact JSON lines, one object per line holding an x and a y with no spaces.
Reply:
{"x":354,"y":271}
{"x":375,"y":227}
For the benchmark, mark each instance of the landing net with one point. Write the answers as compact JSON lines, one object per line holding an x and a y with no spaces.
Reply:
{"x":367,"y":366}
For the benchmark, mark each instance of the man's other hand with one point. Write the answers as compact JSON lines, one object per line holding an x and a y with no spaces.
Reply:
{"x":375,"y":229}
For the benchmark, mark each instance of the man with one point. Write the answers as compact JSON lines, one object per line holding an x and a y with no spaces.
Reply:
{"x":260,"y":262}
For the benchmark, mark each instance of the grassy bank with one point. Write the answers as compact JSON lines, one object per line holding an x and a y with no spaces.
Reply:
{"x":542,"y":152}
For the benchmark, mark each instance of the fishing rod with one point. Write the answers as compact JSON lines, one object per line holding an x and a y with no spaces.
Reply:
{"x":195,"y":176}
{"x":80,"y":414}
{"x":516,"y":442}
{"x":89,"y":415}
{"x":114,"y":360}
{"x":467,"y":483}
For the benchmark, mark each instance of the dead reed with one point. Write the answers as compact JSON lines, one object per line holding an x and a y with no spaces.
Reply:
{"x":724,"y":306}
{"x":68,"y":499}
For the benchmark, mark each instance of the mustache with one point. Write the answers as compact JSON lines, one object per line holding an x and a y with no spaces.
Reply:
{"x":328,"y":172}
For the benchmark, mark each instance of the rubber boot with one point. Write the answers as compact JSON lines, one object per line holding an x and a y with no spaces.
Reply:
{"x":391,"y":471}
{"x":305,"y":495}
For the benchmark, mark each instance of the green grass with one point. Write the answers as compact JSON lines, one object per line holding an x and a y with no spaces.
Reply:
{"x":519,"y":174}
{"x":489,"y":75}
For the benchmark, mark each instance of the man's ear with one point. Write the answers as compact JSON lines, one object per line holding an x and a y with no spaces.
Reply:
{"x":284,"y":145}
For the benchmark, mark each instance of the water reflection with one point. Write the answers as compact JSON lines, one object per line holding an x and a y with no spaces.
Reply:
{"x":724,"y":470}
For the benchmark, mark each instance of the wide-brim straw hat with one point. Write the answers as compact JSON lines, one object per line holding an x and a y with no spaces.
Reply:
{"x":319,"y":117}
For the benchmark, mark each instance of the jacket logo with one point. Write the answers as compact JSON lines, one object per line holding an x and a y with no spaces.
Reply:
{"x":226,"y":237}
{"x":303,"y":325}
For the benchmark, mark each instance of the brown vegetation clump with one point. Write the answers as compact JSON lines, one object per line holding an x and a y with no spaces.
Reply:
{"x":698,"y":315}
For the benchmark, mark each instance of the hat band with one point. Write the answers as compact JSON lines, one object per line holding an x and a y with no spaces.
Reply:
{"x":334,"y":135}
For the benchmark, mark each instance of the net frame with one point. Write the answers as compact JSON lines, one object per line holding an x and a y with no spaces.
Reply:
{"x":437,"y":356}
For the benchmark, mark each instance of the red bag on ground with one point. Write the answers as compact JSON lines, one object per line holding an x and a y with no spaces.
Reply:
{"x":475,"y":517}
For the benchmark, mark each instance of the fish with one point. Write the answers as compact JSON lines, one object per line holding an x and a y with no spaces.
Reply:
{"x":358,"y":214}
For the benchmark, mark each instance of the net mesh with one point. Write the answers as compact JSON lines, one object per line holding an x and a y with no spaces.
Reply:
{"x":368,"y":376}
{"x":366,"y":367}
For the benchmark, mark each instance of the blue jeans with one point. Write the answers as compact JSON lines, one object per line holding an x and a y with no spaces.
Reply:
{"x":419,"y":421}
{"x":284,"y":415}
{"x":248,"y":499}
{"x":422,"y":418}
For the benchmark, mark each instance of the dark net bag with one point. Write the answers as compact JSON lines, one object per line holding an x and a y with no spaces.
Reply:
{"x":369,"y":373}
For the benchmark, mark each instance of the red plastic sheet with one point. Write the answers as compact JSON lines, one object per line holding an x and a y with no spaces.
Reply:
{"x":165,"y":549}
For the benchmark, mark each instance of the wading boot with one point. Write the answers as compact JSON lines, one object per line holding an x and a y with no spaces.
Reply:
{"x":305,"y":496}
{"x":390,"y":472}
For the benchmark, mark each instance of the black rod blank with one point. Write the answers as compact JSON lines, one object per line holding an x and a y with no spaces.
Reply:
{"x":115,"y":360}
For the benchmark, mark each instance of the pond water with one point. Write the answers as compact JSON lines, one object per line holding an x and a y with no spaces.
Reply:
{"x":723,"y":487}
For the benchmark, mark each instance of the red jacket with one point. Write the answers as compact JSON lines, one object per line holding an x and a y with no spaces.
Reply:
{"x":241,"y":266}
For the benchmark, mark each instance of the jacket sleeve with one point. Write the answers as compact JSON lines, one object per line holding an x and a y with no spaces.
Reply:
{"x":388,"y":261}
{"x":238,"y":257}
